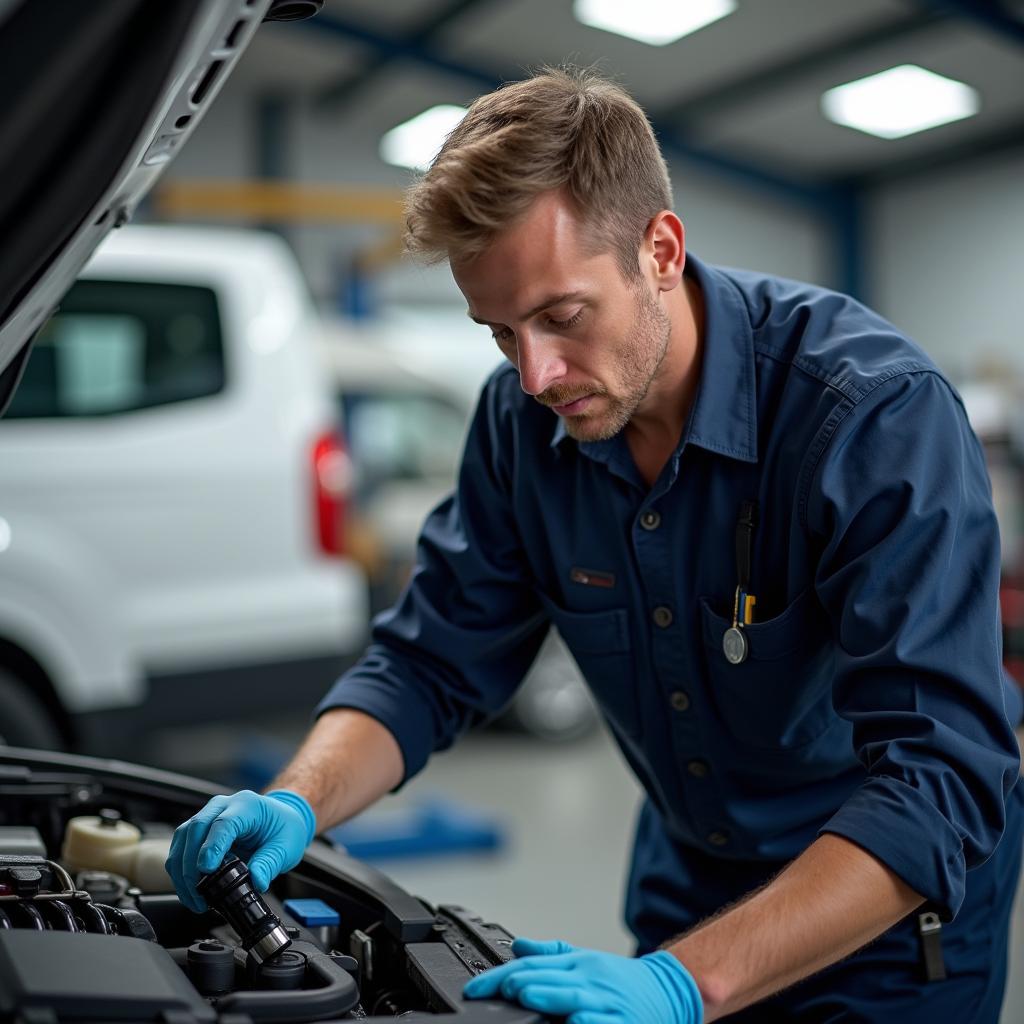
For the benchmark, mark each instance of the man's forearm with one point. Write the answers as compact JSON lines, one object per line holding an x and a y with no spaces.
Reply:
{"x":347,"y":761}
{"x":833,"y":899}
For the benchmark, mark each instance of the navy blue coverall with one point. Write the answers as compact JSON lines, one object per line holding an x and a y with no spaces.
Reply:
{"x":872,"y":705}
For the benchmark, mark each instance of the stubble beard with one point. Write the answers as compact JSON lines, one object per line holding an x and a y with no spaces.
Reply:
{"x":639,"y":363}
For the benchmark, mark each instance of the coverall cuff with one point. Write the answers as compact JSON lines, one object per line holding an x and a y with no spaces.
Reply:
{"x":901,"y":828}
{"x":403,"y":714}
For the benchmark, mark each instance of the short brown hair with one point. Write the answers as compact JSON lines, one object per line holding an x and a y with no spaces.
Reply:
{"x":563,"y":128}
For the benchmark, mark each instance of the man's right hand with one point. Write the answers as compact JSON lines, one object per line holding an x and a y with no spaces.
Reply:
{"x":269,"y":832}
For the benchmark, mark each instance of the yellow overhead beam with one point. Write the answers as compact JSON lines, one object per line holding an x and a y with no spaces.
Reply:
{"x":280,"y":202}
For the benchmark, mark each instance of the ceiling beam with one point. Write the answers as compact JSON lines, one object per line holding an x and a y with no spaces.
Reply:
{"x":1005,"y":139}
{"x":807,"y":193}
{"x":803,"y":192}
{"x":398,"y":49}
{"x":344,"y":89}
{"x":989,"y":14}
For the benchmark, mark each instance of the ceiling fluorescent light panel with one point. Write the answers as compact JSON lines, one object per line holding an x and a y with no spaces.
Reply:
{"x":415,"y":142}
{"x":899,"y":102}
{"x":657,"y":22}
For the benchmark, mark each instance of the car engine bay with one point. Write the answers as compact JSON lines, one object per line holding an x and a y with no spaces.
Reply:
{"x":333,"y":939}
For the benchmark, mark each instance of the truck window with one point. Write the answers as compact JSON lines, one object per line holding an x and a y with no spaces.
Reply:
{"x":402,"y":436}
{"x":118,"y":346}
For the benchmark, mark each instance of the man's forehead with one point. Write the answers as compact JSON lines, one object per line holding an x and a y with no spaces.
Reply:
{"x":549,"y":232}
{"x":504,"y":283}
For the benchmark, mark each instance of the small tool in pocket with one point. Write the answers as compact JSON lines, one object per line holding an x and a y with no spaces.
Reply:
{"x":735,"y":644}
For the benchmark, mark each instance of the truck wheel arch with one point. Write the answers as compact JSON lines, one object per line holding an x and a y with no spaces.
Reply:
{"x":25,"y":681}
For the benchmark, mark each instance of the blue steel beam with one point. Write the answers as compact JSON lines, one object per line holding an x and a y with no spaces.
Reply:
{"x":273,"y":123}
{"x":988,"y":14}
{"x":344,"y":89}
{"x":396,"y":49}
{"x":270,"y":157}
{"x":846,"y":216}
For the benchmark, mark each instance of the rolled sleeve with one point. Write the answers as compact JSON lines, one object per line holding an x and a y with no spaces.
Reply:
{"x":468,"y":625}
{"x":909,"y":573}
{"x":388,"y":689}
{"x":882,"y":814}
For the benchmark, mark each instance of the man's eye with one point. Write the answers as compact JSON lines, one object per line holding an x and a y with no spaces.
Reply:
{"x":564,"y":325}
{"x":501,"y":335}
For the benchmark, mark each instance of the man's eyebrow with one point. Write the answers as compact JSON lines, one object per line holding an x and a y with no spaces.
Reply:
{"x":551,"y":300}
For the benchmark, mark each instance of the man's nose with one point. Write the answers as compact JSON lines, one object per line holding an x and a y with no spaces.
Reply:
{"x":539,"y":362}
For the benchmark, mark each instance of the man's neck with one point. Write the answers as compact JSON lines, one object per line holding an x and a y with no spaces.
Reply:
{"x":655,"y":430}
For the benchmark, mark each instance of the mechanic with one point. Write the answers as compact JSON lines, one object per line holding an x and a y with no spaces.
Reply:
{"x":759,"y":518}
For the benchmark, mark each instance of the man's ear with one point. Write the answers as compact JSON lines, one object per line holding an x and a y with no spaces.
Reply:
{"x":663,"y":253}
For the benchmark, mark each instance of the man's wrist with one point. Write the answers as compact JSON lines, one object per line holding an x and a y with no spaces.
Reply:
{"x":300,"y":804}
{"x":677,"y":982}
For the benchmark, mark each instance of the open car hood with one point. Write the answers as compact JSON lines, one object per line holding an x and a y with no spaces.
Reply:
{"x":98,"y":97}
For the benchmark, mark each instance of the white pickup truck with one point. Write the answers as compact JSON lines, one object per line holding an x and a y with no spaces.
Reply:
{"x":172,"y":494}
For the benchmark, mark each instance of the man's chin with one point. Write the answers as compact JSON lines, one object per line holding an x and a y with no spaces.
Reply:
{"x":592,"y":428}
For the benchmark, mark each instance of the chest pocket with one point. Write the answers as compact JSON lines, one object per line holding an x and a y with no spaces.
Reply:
{"x":600,"y":643}
{"x":781,"y":696}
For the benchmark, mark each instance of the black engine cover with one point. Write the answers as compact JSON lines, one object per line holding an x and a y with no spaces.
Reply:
{"x":93,"y":978}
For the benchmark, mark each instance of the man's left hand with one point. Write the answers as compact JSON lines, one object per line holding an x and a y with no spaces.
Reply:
{"x":590,"y":987}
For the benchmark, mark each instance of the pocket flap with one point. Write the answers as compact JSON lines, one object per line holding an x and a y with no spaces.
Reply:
{"x":603,"y":632}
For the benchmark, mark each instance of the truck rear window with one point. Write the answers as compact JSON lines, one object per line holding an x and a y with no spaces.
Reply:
{"x":118,"y":346}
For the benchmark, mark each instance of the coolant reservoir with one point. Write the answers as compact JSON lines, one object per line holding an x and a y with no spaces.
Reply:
{"x":105,"y":842}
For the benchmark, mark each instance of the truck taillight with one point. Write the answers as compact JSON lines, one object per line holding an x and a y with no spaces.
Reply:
{"x":332,"y":481}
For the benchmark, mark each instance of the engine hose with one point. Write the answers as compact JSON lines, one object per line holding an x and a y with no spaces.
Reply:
{"x":93,"y":919}
{"x":33,"y":918}
{"x":116,"y":919}
{"x":60,"y":916}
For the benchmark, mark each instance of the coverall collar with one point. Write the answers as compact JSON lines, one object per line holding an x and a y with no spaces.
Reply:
{"x":724,"y":418}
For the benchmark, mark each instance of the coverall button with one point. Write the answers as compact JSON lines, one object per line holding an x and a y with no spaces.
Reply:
{"x":718,"y":838}
{"x":680,"y":701}
{"x":662,"y":616}
{"x":650,"y":520}
{"x":698,"y":769}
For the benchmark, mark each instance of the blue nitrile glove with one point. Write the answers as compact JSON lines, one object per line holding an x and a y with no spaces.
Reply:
{"x":590,"y":987}
{"x":269,"y":832}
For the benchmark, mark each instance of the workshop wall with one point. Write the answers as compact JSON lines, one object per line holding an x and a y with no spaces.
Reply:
{"x":947,"y":263}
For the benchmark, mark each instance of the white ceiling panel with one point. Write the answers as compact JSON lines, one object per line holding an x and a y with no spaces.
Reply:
{"x":520,"y":33}
{"x":784,"y":54}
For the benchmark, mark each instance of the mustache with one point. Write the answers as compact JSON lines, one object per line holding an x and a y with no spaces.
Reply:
{"x":563,"y":394}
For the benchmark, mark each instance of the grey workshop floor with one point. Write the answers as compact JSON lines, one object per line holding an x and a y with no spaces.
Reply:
{"x":568,"y":812}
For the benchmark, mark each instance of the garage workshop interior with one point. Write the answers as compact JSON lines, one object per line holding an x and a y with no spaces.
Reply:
{"x":511,"y":509}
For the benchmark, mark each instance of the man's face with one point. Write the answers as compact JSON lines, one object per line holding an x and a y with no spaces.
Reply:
{"x":587,"y":342}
